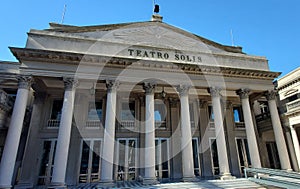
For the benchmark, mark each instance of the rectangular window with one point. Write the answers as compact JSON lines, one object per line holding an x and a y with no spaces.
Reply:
{"x":128,"y":111}
{"x":243,"y":153}
{"x":214,"y":156}
{"x":55,"y":116}
{"x":56,"y":109}
{"x":95,"y":111}
{"x":196,"y":156}
{"x":160,"y":114}
{"x":238,"y":114}
{"x":211,"y":113}
{"x":192,"y":116}
{"x":47,"y":162}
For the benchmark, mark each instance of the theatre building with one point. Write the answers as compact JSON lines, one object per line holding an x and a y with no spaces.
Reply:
{"x":143,"y":101}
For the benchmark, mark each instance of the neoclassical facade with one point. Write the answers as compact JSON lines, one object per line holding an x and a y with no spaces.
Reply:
{"x":142,"y":101}
{"x":288,"y":88}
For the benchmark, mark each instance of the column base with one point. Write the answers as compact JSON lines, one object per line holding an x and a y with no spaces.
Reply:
{"x":57,"y":186}
{"x":23,"y":185}
{"x":106,"y":183}
{"x":189,"y":179}
{"x":150,"y":181}
{"x":226,"y":176}
{"x":5,"y":186}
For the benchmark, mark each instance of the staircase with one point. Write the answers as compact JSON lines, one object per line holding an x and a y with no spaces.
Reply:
{"x":274,"y":177}
{"x":201,"y":184}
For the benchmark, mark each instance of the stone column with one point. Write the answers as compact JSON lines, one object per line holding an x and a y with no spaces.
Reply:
{"x":204,"y":147}
{"x":251,"y":137}
{"x":14,"y":133}
{"x":279,"y":137}
{"x":109,"y":133}
{"x":295,"y":144}
{"x":175,"y":140}
{"x":220,"y":135}
{"x":28,"y":173}
{"x":64,"y":135}
{"x":149,"y":135}
{"x":186,"y":135}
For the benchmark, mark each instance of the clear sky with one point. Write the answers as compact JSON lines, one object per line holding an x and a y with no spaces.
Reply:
{"x":269,"y":28}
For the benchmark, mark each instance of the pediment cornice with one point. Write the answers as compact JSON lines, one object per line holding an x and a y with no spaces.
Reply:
{"x":45,"y":56}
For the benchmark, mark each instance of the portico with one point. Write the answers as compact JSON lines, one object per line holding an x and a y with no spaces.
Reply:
{"x":121,"y":111}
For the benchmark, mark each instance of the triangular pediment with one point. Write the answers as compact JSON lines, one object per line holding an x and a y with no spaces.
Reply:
{"x":149,"y":34}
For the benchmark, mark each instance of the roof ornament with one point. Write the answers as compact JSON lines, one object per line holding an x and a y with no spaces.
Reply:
{"x":156,"y":17}
{"x":156,"y":8}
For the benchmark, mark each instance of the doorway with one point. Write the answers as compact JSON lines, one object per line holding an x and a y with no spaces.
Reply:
{"x":90,"y":164}
{"x":126,"y":159}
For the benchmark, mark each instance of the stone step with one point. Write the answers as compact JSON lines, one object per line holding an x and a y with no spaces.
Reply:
{"x":203,"y":184}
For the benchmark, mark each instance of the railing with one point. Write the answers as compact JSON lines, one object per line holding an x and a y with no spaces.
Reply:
{"x":160,"y":125}
{"x":275,"y":177}
{"x":127,"y":125}
{"x":240,"y":125}
{"x":53,"y":123}
{"x":93,"y":124}
{"x":262,"y":117}
{"x":293,"y":105}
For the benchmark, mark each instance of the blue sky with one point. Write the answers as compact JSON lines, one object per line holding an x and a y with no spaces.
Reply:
{"x":269,"y":28}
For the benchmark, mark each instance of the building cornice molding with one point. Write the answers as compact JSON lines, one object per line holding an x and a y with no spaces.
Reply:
{"x":77,"y":58}
{"x":290,"y":83}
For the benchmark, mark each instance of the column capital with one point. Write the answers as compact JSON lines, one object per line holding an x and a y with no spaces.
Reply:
{"x":149,"y":87}
{"x":243,"y":93}
{"x":202,"y":103}
{"x":271,"y":94}
{"x":112,"y":85}
{"x":173,"y":102}
{"x":183,"y":90}
{"x":24,"y":81}
{"x":70,"y":83}
{"x":214,"y":91}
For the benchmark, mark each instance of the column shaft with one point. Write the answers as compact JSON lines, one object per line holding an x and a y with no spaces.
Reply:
{"x":149,"y":135}
{"x":186,"y":135}
{"x":279,"y":137}
{"x":251,"y":137}
{"x":109,"y":134}
{"x":220,"y":135}
{"x":13,"y":136}
{"x":296,"y":144}
{"x":64,"y":135}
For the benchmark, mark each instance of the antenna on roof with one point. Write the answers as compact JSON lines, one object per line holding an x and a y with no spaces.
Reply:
{"x":156,"y":7}
{"x":232,"y":39}
{"x":63,"y":15}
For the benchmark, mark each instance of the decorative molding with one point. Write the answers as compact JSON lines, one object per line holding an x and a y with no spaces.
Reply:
{"x":271,"y":94}
{"x":78,"y":58}
{"x":24,"y":82}
{"x":214,"y":91}
{"x":112,"y":85}
{"x":149,"y":87}
{"x":243,"y":93}
{"x":70,"y":83}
